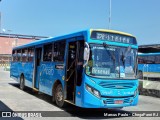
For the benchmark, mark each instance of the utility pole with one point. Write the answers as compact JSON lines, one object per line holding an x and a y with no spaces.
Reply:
{"x":110,"y":5}
{"x":0,"y":21}
{"x":0,"y":28}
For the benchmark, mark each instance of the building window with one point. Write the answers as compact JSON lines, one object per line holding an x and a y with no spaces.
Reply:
{"x":47,"y":55}
{"x":30,"y":54}
{"x":24,"y":55}
{"x":59,"y":51}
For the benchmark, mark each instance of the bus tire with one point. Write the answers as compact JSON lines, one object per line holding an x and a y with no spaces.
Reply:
{"x":59,"y":96}
{"x":22,"y":85}
{"x":118,"y":108}
{"x":140,"y":74}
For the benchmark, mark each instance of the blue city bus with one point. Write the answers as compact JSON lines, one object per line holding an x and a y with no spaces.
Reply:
{"x":149,"y":65}
{"x":94,"y":68}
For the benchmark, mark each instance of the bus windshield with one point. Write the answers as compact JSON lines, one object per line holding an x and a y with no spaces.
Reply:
{"x":112,"y":62}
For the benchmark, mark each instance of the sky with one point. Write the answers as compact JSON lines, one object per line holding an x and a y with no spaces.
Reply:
{"x":58,"y":17}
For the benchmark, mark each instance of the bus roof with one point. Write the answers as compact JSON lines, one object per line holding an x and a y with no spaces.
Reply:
{"x":148,"y":54}
{"x":51,"y":39}
{"x":151,"y":48}
{"x":83,"y":32}
{"x":112,"y":31}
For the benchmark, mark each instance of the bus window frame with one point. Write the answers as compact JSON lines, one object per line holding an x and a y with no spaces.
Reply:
{"x":157,"y":57}
{"x":14,"y":58}
{"x":51,"y":52}
{"x":31,"y":48}
{"x":145,"y":59}
{"x":26,"y":57}
{"x":19,"y":57}
{"x":64,"y":54}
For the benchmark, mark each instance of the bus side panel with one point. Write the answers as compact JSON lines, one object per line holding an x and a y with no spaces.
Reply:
{"x":153,"y":67}
{"x":14,"y":71}
{"x":49,"y":74}
{"x":18,"y":68}
{"x":80,"y":89}
{"x":27,"y":69}
{"x":140,"y":67}
{"x":150,"y":70}
{"x":79,"y":95}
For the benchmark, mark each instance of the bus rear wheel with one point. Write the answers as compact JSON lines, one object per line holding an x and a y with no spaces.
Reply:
{"x":22,"y":82}
{"x":59,"y":96}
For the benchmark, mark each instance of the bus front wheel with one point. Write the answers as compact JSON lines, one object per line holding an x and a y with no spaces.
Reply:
{"x":22,"y":82}
{"x":59,"y":96}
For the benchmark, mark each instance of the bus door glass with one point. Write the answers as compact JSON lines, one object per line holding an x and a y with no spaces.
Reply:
{"x":37,"y":66}
{"x":71,"y":70}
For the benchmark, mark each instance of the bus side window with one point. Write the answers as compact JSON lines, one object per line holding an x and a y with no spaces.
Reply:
{"x":59,"y":51}
{"x":140,"y":60}
{"x":18,"y":55}
{"x":14,"y":55}
{"x":24,"y":55}
{"x":157,"y":60}
{"x":151,"y":59}
{"x":30,"y":54}
{"x":47,"y":55}
{"x":144,"y":59}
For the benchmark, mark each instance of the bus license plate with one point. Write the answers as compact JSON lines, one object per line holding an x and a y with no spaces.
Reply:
{"x":118,"y":102}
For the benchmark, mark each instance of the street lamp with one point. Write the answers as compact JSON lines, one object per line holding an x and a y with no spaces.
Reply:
{"x":110,"y":14}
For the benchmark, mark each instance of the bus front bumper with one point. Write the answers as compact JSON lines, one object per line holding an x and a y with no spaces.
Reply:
{"x":91,"y":101}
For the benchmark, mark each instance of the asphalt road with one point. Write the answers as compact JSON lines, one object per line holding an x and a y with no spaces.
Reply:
{"x":14,"y":99}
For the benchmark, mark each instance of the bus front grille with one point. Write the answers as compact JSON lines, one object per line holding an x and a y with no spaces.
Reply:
{"x":112,"y":100}
{"x":116,"y":85}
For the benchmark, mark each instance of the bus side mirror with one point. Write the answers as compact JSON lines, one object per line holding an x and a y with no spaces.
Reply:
{"x":86,"y":54}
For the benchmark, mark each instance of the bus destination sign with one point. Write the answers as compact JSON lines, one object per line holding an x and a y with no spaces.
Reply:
{"x":113,"y":37}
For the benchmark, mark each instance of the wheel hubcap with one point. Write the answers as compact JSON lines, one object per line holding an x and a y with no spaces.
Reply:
{"x":21,"y":82}
{"x":59,"y":95}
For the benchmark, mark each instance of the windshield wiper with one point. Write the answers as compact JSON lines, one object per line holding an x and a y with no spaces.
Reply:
{"x":125,"y":55}
{"x":126,"y":52}
{"x":112,"y":56}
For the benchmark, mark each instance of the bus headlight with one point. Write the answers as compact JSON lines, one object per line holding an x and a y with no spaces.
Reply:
{"x":135,"y":92}
{"x":93,"y":91}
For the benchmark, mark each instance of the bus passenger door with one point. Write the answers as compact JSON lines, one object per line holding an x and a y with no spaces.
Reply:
{"x":38,"y":58}
{"x":74,"y":68}
{"x":70,"y":71}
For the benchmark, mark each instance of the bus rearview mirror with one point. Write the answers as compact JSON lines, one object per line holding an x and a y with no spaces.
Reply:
{"x":86,"y":54}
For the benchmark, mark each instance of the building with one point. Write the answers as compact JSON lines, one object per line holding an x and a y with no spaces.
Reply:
{"x":8,"y":41}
